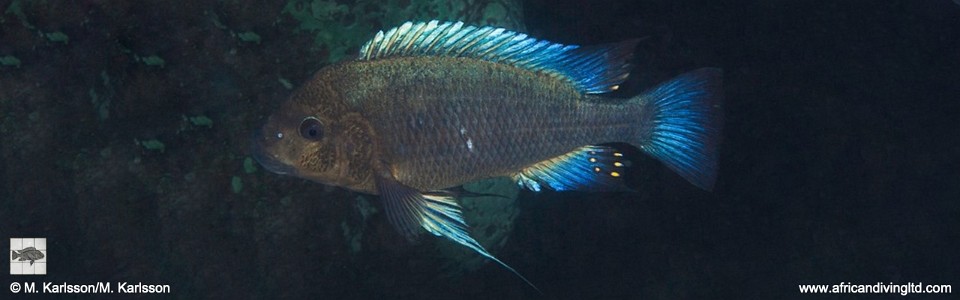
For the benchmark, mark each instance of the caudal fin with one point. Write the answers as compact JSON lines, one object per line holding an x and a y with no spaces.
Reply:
{"x":13,"y":255}
{"x":684,"y":123}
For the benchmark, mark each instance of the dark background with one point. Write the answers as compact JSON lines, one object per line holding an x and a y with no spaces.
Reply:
{"x":839,"y":160}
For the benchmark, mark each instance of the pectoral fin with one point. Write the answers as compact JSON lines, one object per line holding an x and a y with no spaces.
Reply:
{"x":437,"y":212}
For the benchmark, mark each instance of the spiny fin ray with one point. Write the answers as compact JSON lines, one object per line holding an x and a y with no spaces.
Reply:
{"x":593,"y":70}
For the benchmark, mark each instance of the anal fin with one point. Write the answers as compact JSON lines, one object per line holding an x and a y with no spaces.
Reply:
{"x":591,"y":168}
{"x":437,"y":212}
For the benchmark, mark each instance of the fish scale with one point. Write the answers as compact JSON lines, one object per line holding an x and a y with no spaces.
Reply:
{"x":510,"y":125}
{"x":431,"y":105}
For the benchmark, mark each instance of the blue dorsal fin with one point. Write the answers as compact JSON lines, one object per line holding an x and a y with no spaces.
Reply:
{"x":593,"y":70}
{"x":596,"y":168}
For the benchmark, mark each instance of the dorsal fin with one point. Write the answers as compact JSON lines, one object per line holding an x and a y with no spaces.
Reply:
{"x":593,"y":70}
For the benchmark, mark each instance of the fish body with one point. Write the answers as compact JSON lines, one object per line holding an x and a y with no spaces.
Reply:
{"x":429,"y":106}
{"x":448,"y":121}
{"x":29,"y":253}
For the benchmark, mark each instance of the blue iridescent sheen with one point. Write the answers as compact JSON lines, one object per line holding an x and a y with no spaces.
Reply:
{"x":586,"y":168}
{"x":685,"y":125}
{"x":436,"y":212}
{"x":593,"y":70}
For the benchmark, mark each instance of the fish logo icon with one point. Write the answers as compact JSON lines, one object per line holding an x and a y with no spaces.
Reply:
{"x":28,"y":253}
{"x":28,"y":256}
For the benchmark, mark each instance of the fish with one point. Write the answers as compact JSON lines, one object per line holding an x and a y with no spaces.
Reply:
{"x":28,"y":253}
{"x":428,"y":106}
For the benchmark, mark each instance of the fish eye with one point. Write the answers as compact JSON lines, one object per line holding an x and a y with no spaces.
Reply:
{"x":311,"y":129}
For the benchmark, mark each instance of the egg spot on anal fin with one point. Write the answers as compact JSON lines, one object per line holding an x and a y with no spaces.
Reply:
{"x":584,"y":168}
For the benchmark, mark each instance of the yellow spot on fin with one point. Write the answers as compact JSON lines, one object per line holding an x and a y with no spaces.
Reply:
{"x":585,"y":168}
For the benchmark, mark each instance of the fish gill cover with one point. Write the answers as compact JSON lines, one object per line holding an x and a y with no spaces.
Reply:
{"x":150,"y":121}
{"x":839,"y":161}
{"x":429,"y":106}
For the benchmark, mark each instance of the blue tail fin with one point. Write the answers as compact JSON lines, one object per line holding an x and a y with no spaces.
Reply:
{"x":682,"y":124}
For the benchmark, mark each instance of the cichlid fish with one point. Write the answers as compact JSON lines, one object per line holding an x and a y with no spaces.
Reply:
{"x":28,"y":253}
{"x":429,"y":106}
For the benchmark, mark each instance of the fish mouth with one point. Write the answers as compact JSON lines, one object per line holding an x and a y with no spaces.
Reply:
{"x":267,"y":160}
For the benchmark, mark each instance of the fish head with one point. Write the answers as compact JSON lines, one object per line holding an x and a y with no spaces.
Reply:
{"x":314,"y":135}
